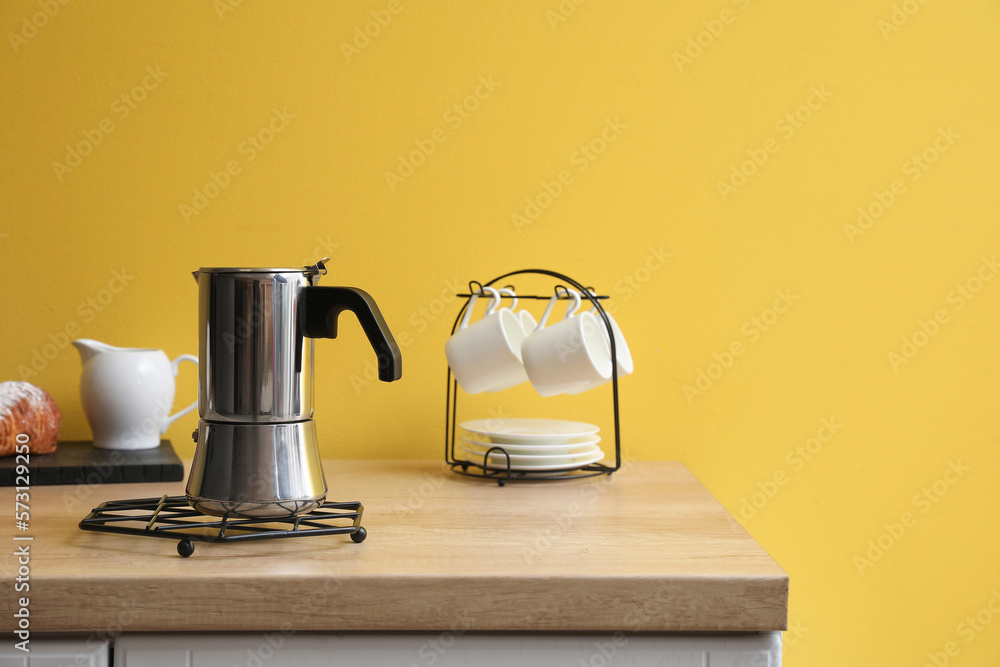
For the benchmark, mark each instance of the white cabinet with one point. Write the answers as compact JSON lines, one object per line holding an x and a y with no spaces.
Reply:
{"x":74,"y":652}
{"x":443,"y":649}
{"x":447,"y":649}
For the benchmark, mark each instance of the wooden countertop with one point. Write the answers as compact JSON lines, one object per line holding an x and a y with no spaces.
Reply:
{"x":647,"y":549}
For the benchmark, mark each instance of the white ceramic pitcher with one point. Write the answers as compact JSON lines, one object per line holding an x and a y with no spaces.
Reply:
{"x":127,"y":393}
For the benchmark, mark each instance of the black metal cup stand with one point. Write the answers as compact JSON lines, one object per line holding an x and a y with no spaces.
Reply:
{"x":501,"y":473}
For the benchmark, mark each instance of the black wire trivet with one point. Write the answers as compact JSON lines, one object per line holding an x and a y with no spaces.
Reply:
{"x":173,"y":518}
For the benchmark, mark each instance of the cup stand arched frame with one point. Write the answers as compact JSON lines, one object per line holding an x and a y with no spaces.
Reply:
{"x":501,"y":473}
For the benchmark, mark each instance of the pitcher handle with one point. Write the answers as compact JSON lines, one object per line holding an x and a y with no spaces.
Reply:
{"x":173,"y":369}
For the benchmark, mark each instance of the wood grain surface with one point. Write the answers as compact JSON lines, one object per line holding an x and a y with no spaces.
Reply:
{"x":647,"y":549}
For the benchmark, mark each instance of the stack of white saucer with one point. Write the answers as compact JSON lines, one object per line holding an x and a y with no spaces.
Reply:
{"x":533,"y":445}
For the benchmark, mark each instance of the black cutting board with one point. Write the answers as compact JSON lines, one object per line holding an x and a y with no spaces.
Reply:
{"x":78,"y":462}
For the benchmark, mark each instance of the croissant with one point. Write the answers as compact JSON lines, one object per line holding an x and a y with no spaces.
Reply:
{"x":26,"y":410}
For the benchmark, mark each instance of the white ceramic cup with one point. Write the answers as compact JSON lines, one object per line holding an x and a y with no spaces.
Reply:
{"x":623,"y":355}
{"x":486,"y":353}
{"x":567,"y":355}
{"x":528,"y":324}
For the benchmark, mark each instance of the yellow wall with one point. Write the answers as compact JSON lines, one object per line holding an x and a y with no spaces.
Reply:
{"x":690,"y":262}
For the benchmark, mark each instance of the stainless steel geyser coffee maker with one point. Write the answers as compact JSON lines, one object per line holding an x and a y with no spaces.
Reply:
{"x":257,"y":454}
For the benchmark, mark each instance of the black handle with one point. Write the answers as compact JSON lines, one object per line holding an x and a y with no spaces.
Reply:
{"x":320,"y":308}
